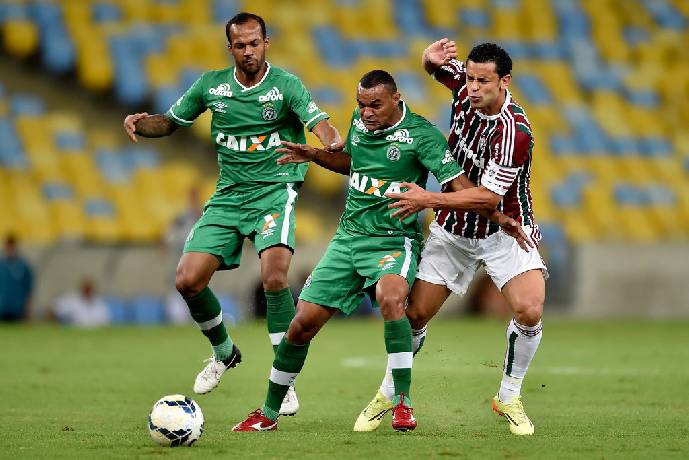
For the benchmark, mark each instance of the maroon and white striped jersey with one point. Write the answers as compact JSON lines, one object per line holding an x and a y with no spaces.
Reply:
{"x":494,"y":151}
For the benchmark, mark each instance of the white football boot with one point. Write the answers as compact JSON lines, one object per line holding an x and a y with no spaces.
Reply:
{"x":209,"y":377}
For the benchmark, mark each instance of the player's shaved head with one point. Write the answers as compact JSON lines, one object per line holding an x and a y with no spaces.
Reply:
{"x":378,"y":77}
{"x":243,"y":18}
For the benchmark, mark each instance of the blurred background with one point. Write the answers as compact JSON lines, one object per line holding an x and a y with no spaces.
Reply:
{"x":89,"y":218}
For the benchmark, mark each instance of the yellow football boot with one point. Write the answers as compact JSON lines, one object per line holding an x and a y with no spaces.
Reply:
{"x":515,"y":415}
{"x":373,"y":414}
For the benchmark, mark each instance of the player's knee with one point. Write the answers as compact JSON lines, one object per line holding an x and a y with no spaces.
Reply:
{"x":275,"y":281}
{"x":417,"y":318}
{"x":187,"y":284}
{"x":391,"y":306}
{"x":528,"y":311}
{"x":300,"y":332}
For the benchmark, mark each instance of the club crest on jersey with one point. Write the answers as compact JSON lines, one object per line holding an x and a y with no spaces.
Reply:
{"x":271,"y":96}
{"x":269,"y":225}
{"x":248,"y":143}
{"x":388,"y":260}
{"x":223,"y":89}
{"x":219,"y":106}
{"x":355,"y":140}
{"x":400,"y":135}
{"x":269,"y":113}
{"x":393,"y":152}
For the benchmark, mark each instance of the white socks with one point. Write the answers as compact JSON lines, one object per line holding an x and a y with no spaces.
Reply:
{"x":522,"y":343}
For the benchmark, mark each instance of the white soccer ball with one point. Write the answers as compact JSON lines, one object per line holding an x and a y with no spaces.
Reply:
{"x":175,"y":420}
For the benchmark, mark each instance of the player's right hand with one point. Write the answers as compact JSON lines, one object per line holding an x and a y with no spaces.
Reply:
{"x":130,"y":125}
{"x":295,"y":153}
{"x":441,"y":52}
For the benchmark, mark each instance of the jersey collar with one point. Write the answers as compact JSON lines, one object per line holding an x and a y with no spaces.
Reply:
{"x":248,"y":88}
{"x":399,"y":122}
{"x":508,"y":101}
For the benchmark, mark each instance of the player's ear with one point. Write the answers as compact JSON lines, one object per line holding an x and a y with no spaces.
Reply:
{"x":506,"y":80}
{"x":396,"y":97}
{"x":266,"y":41}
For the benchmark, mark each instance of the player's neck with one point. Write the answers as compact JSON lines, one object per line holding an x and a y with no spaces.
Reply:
{"x":249,"y":80}
{"x":496,"y":107}
{"x":394,"y":119}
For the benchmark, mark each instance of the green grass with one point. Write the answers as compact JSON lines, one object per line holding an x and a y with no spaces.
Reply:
{"x":617,"y":389}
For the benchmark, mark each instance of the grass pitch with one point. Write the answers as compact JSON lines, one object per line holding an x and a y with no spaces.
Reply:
{"x":616,"y":389}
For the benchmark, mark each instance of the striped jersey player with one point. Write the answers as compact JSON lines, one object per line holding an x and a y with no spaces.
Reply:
{"x":494,"y":150}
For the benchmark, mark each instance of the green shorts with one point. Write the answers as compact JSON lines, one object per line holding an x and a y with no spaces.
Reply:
{"x":352,"y":264}
{"x":262,"y":212}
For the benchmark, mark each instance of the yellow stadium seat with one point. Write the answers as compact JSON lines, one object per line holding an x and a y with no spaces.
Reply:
{"x":69,"y":219}
{"x":309,"y":225}
{"x":20,"y":37}
{"x":103,"y":230}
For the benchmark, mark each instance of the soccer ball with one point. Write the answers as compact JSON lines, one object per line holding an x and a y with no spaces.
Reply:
{"x":175,"y":420}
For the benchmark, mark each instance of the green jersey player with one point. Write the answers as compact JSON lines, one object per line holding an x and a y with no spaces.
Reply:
{"x":371,"y":251}
{"x":255,"y":107}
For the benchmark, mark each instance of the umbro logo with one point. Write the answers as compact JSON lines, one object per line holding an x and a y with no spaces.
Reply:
{"x":219,"y":106}
{"x":271,"y":96}
{"x":223,"y":89}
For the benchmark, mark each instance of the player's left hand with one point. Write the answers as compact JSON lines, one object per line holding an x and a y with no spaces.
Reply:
{"x":514,"y":229}
{"x":295,"y":153}
{"x":410,"y":202}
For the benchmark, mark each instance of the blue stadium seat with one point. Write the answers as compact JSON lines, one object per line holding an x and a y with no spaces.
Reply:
{"x":69,"y":140}
{"x":96,"y":207}
{"x":26,"y":104}
{"x":57,"y":191}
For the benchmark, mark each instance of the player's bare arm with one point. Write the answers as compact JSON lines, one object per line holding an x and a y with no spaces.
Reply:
{"x":148,"y":126}
{"x":329,"y":136}
{"x":508,"y":225}
{"x":339,"y":162}
{"x":438,"y":54}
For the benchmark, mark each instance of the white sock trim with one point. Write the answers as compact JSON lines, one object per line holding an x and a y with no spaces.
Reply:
{"x":211,"y":323}
{"x":282,"y":378}
{"x":402,"y":360}
{"x":276,"y":337}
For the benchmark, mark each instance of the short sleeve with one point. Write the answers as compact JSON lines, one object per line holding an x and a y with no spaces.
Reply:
{"x":452,"y":75}
{"x":508,"y":153}
{"x":348,"y":141}
{"x":304,"y":107}
{"x":189,"y":106}
{"x":436,"y":156}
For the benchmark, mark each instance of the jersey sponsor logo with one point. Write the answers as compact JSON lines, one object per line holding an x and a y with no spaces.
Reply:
{"x":223,"y":89}
{"x":388,"y":260}
{"x":372,"y":186}
{"x":312,"y":107}
{"x":248,"y":143}
{"x":269,"y":225}
{"x":269,"y":113}
{"x":271,"y":96}
{"x":355,"y":140}
{"x":360,"y":125}
{"x":219,"y":106}
{"x":393,"y":153}
{"x":400,"y":135}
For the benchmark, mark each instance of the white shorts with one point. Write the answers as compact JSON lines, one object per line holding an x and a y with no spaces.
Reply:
{"x":451,"y":260}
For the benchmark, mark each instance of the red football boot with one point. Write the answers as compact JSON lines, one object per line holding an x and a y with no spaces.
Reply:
{"x":403,"y":416}
{"x":256,"y":421}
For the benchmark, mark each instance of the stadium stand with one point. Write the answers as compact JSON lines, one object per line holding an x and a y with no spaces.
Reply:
{"x":611,"y":160}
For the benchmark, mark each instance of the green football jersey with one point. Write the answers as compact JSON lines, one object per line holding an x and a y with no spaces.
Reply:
{"x":381,"y":160}
{"x":249,"y":123}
